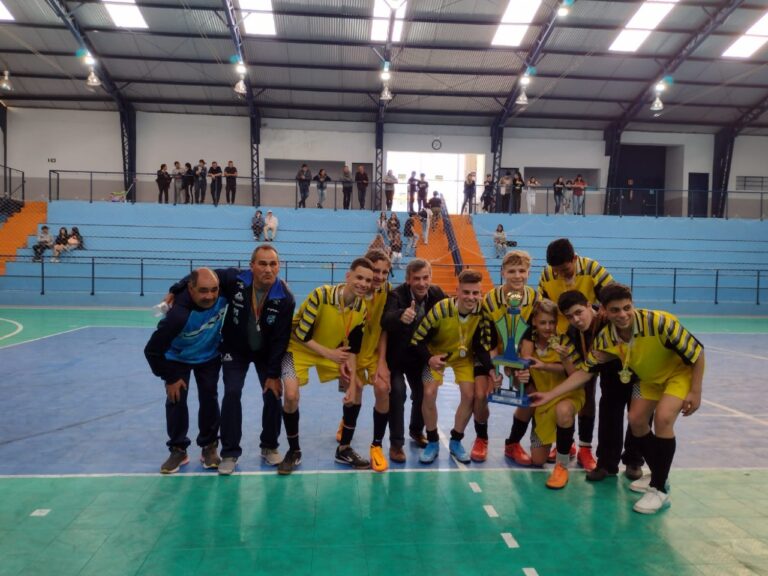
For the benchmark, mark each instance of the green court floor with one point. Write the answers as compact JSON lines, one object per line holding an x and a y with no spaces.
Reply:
{"x":462,"y":523}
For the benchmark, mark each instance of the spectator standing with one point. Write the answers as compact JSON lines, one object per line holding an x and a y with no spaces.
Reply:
{"x":346,"y":186}
{"x":163,"y":181}
{"x":361,"y":178}
{"x":303,"y":177}
{"x":389,"y":188}
{"x":44,"y":242}
{"x":396,"y":245}
{"x":579,"y":189}
{"x":270,"y":227}
{"x":413,"y":187}
{"x":201,"y":173}
{"x":530,"y":194}
{"x":257,"y":225}
{"x":423,"y":191}
{"x":487,"y":196}
{"x":215,"y":174}
{"x":410,"y":235}
{"x":230,"y":173}
{"x":187,"y":183}
{"x":425,"y":216}
{"x":568,"y":197}
{"x":322,"y":180}
{"x":558,"y":188}
{"x":470,"y":191}
{"x":517,"y":192}
{"x":505,"y":190}
{"x":500,"y":241}
{"x":436,"y":207}
{"x":178,"y":177}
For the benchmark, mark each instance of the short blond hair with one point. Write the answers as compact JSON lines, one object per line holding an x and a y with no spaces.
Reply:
{"x":516,"y":258}
{"x":544,"y":306}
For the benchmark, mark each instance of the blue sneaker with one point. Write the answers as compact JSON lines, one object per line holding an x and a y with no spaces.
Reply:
{"x":429,"y":453}
{"x":458,"y":452}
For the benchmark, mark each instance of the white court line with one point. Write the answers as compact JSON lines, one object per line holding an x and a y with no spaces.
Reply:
{"x":736,"y":353}
{"x":19,"y":328}
{"x":475,"y":487}
{"x":43,"y":337}
{"x":491,"y":511}
{"x":736,"y":412}
{"x":41,"y":512}
{"x":509,"y":540}
{"x":530,"y":572}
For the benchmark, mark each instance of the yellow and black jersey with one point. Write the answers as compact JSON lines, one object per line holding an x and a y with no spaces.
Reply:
{"x":660,"y":346}
{"x":495,"y":305}
{"x":589,"y":278}
{"x":375,"y":305}
{"x":543,"y":380}
{"x":444,"y":331}
{"x":322,"y":317}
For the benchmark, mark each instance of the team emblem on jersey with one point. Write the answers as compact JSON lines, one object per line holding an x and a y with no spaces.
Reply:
{"x":239,"y":296}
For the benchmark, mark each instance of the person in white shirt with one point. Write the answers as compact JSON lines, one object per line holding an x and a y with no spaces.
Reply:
{"x":270,"y":227}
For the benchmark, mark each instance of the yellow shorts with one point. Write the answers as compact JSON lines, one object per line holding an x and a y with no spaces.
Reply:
{"x":545,"y":417}
{"x":366,"y":369}
{"x":297,"y":364}
{"x":677,"y":385}
{"x":463,"y":371}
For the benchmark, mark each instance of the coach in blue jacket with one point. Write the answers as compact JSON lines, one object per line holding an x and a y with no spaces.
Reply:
{"x":186,"y":341}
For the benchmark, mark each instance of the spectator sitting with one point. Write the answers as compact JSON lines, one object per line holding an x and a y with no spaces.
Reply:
{"x":75,"y":241}
{"x":44,"y":242}
{"x":393,"y":227}
{"x":270,"y":225}
{"x":257,"y":225}
{"x":396,"y":243}
{"x":500,"y":241}
{"x":60,"y":244}
{"x":381,"y":224}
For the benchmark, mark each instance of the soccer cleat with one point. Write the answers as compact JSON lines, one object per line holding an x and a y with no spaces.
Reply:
{"x":641,"y":485}
{"x":652,"y":501}
{"x":558,"y":478}
{"x":351,"y":458}
{"x":227,"y":466}
{"x":291,"y":459}
{"x":479,"y":450}
{"x":429,"y":453}
{"x":176,"y":459}
{"x":378,"y":461}
{"x":210,"y":456}
{"x":458,"y":452}
{"x":340,"y":430}
{"x":271,"y":456}
{"x":585,"y":458}
{"x":552,"y":454}
{"x":515,"y":451}
{"x":598,"y":475}
{"x":397,"y":454}
{"x":633,"y":472}
{"x":572,"y":452}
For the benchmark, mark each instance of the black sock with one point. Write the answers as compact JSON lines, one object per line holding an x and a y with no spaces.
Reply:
{"x":291,"y":421}
{"x":646,"y":447}
{"x":664,"y":452}
{"x":457,"y":435}
{"x":519,"y":428}
{"x":586,"y":429}
{"x":379,"y":426}
{"x":481,"y":430}
{"x":432,"y":436}
{"x":564,"y":440}
{"x":351,"y":412}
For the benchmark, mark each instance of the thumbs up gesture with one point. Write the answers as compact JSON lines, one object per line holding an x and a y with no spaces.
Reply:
{"x":409,"y":314}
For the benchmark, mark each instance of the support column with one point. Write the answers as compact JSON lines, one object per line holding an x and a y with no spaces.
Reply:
{"x":377,"y":202}
{"x":255,"y":170}
{"x":721,"y":170}
{"x":612,"y":137}
{"x":128,"y":140}
{"x":497,"y":145}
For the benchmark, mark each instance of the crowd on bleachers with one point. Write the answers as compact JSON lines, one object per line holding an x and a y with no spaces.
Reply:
{"x":190,"y":183}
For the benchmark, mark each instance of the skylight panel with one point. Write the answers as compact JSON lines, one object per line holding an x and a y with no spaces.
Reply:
{"x":258,"y":18}
{"x":751,"y":41}
{"x":380,"y":26}
{"x":643,"y":22}
{"x":125,"y":13}
{"x":514,"y":23}
{"x":4,"y":13}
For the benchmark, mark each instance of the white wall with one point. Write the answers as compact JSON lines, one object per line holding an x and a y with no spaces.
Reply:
{"x":749,"y":158}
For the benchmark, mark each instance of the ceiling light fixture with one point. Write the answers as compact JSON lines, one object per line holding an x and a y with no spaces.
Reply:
{"x":525,"y":80}
{"x":522,"y":99}
{"x":240,"y":87}
{"x":241,"y":69}
{"x":89,"y":60}
{"x":385,"y":73}
{"x":386,"y":95}
{"x":657,"y":105}
{"x":565,"y":8}
{"x":660,"y":87}
{"x":5,"y":83}
{"x":93,"y":80}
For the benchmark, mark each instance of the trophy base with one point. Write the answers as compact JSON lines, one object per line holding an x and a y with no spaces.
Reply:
{"x":509,"y":397}
{"x":515,"y":363}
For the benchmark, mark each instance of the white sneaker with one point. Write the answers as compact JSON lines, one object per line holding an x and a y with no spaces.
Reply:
{"x":227,"y":466}
{"x":652,"y":501}
{"x":271,"y":456}
{"x":642,"y":485}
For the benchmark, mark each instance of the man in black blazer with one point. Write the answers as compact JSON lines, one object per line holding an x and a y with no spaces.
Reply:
{"x":406,"y":306}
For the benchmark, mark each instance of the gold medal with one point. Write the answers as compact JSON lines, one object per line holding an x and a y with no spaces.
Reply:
{"x":625,"y":375}
{"x":462,"y":351}
{"x":553,"y":341}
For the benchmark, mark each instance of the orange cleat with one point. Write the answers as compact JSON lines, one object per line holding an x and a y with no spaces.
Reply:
{"x":339,"y":431}
{"x":585,"y":458}
{"x":559,"y":477}
{"x":515,"y":451}
{"x":479,"y":450}
{"x":378,"y":460}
